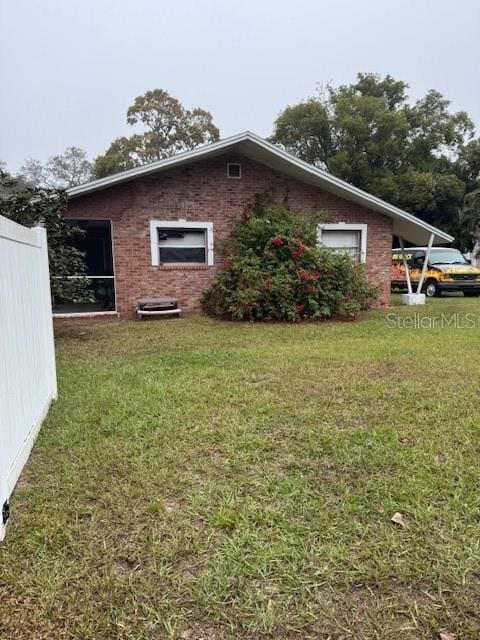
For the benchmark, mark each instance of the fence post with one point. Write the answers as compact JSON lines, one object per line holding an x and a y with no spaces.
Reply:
{"x":47,"y":312}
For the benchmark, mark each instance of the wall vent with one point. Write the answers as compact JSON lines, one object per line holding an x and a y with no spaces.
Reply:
{"x":234,"y":170}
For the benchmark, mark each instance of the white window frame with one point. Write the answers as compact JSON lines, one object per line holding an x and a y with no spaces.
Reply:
{"x":180,"y":224}
{"x":343,"y":226}
{"x":234,"y":164}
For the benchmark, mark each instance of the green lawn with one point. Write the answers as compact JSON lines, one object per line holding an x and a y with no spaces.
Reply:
{"x":199,"y":479}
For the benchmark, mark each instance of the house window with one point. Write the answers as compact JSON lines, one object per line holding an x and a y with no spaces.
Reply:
{"x":181,"y":242}
{"x":182,"y":245}
{"x":345,"y":238}
{"x":234,"y":170}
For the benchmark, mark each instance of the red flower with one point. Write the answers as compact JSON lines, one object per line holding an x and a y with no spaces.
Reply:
{"x":308,"y":275}
{"x":277,"y":241}
{"x":310,"y":288}
{"x":298,"y":252}
{"x":267,"y":285}
{"x":299,"y":308}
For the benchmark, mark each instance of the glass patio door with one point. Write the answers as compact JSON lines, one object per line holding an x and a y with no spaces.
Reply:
{"x":96,"y":245}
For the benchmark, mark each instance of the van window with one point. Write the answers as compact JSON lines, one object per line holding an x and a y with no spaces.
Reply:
{"x":418,"y":258}
{"x":447,"y":256}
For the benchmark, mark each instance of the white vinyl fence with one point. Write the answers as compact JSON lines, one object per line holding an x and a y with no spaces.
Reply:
{"x":28,"y":382}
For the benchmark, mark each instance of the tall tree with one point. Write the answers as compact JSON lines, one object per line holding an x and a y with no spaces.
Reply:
{"x":468,"y":167}
{"x":62,"y":171}
{"x":166,"y":128}
{"x":30,"y":206}
{"x":418,"y":156}
{"x":469,"y":220}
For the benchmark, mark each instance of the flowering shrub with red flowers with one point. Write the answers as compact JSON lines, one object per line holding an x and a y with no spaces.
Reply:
{"x":276,"y":271}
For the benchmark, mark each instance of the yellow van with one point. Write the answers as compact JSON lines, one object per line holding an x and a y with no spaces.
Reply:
{"x":447,"y":270}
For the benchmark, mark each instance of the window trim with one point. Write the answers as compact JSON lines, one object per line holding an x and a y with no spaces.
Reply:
{"x":343,"y":226}
{"x":180,"y":224}
{"x":234,"y":164}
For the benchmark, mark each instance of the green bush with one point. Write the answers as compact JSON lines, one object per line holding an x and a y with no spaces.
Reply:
{"x":276,"y":272}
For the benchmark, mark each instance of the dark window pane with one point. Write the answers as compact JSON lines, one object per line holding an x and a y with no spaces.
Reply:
{"x":182,"y":254}
{"x":102,"y":291}
{"x":96,"y":244}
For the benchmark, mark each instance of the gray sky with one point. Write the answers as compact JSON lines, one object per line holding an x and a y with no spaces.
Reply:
{"x":70,"y":68}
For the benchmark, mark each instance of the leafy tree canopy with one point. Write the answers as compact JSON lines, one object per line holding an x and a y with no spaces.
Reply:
{"x":31,"y":206}
{"x":421,"y":156}
{"x":68,"y":169}
{"x":166,"y":128}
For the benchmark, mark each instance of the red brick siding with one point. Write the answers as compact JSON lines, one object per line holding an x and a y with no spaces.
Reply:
{"x":201,"y":191}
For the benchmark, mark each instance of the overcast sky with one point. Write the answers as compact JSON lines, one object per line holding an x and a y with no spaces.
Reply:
{"x":70,"y":68}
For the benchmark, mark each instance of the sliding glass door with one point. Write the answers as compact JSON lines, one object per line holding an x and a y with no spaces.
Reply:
{"x":96,"y":245}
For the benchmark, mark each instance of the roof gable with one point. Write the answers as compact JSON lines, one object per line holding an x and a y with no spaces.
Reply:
{"x":405,"y":224}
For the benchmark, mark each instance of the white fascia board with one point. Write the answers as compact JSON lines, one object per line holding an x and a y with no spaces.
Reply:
{"x":347,"y":188}
{"x":342,"y":188}
{"x":179,"y":158}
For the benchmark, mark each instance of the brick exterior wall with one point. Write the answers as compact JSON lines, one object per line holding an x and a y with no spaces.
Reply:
{"x":201,"y":191}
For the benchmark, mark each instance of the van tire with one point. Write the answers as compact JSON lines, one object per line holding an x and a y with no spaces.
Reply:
{"x":471,"y":294}
{"x":432,"y":289}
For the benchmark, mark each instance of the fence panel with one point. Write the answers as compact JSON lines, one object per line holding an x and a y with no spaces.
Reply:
{"x":28,"y":382}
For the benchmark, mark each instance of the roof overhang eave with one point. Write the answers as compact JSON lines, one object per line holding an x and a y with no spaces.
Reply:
{"x":409,"y":227}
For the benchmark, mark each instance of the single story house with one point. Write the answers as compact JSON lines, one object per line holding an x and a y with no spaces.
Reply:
{"x":153,"y":231}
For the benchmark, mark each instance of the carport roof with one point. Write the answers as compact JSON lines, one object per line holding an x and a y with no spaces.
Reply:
{"x":405,"y":225}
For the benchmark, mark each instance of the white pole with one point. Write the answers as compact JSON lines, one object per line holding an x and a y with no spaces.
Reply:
{"x":425,"y":263}
{"x":405,"y":264}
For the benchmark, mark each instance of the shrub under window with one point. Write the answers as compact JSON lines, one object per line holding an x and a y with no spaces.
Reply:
{"x":277,"y":272}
